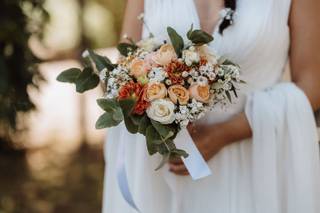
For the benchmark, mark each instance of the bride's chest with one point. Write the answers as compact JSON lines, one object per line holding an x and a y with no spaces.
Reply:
{"x":260,"y":26}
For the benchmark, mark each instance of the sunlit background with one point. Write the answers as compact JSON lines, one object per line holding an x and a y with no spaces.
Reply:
{"x":51,"y":157}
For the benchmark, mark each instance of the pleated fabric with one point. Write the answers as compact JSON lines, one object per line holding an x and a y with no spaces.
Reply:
{"x":276,"y":171}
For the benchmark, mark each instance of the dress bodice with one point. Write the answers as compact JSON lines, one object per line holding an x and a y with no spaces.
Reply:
{"x":258,"y":40}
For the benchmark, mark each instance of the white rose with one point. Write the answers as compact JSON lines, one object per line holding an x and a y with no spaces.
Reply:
{"x":190,"y":57}
{"x":161,"y":110}
{"x":149,"y":44}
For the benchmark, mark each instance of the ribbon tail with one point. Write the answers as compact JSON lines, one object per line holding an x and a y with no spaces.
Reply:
{"x":122,"y":178}
{"x":195,"y":164}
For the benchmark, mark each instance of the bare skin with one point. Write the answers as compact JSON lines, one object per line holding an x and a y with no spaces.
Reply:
{"x":305,"y":70}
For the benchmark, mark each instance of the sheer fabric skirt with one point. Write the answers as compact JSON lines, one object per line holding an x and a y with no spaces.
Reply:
{"x":229,"y":189}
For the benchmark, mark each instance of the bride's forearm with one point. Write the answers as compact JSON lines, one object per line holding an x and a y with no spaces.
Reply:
{"x":233,"y":130}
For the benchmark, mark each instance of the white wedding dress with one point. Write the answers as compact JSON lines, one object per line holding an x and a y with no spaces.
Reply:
{"x":277,"y":171}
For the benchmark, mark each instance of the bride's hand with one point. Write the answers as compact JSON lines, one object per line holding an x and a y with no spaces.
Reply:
{"x":209,"y":141}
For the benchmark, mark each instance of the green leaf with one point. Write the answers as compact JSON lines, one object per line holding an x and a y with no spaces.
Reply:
{"x":228,"y":62}
{"x":144,"y":123}
{"x":199,"y":37}
{"x":118,"y":115}
{"x":69,"y":75}
{"x":136,"y":119}
{"x":153,"y":136}
{"x":180,"y":152}
{"x":87,"y":80}
{"x":106,"y":120}
{"x":109,"y":105}
{"x":190,"y":31}
{"x":127,"y":106}
{"x":229,"y":96}
{"x":165,"y":159}
{"x":234,"y":90}
{"x":101,"y":62}
{"x":152,"y":139}
{"x":130,"y":125}
{"x":126,"y":48}
{"x":164,"y":130}
{"x":176,"y":40}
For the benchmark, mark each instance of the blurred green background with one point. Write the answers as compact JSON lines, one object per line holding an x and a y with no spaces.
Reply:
{"x":51,"y":157}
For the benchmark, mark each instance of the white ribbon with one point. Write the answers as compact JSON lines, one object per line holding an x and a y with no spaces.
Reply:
{"x":122,"y":178}
{"x":195,"y":164}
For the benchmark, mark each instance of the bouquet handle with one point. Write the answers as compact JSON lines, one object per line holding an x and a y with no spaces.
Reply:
{"x":195,"y":164}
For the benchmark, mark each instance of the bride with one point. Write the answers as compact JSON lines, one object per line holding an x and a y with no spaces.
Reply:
{"x":262,"y":149}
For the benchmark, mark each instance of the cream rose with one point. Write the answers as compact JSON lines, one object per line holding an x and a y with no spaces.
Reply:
{"x":200,"y":92}
{"x":149,"y":44}
{"x":178,"y":93}
{"x":137,"y":68}
{"x":161,"y":110}
{"x":205,"y":52}
{"x":155,"y":91}
{"x":190,"y":57}
{"x":165,"y":55}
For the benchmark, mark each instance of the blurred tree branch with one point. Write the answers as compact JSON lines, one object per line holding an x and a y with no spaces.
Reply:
{"x":19,"y":20}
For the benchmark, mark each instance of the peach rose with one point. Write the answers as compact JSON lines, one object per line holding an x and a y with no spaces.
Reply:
{"x":137,"y":68}
{"x":165,"y":55}
{"x":199,"y":92}
{"x":155,"y":91}
{"x":178,"y":93}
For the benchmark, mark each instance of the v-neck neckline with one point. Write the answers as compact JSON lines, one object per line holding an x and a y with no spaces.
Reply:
{"x":215,"y":27}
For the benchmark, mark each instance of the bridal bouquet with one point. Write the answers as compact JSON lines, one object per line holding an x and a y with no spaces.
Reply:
{"x":158,"y":87}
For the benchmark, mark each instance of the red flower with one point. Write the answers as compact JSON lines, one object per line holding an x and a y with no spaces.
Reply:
{"x":174,"y":70}
{"x":136,"y":91}
{"x":203,"y":61}
{"x":130,"y":90}
{"x":142,"y":104}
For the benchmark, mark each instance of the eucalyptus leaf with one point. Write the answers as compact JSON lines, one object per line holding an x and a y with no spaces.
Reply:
{"x":165,"y":159}
{"x":164,"y":130}
{"x":180,"y":152}
{"x":234,"y":90}
{"x":109,"y":105}
{"x":228,"y":62}
{"x":136,"y":119}
{"x":130,"y":125}
{"x":118,"y":115}
{"x":229,"y":96}
{"x":106,"y":120}
{"x":176,"y":40}
{"x":190,"y":31}
{"x":127,"y":106}
{"x":69,"y":75}
{"x":87,"y":80}
{"x":101,"y":62}
{"x":199,"y":37}
{"x":126,"y":48}
{"x":151,"y":136}
{"x":144,"y":123}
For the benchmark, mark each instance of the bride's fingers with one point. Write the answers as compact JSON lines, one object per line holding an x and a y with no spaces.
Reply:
{"x":178,"y":169}
{"x":175,"y":161}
